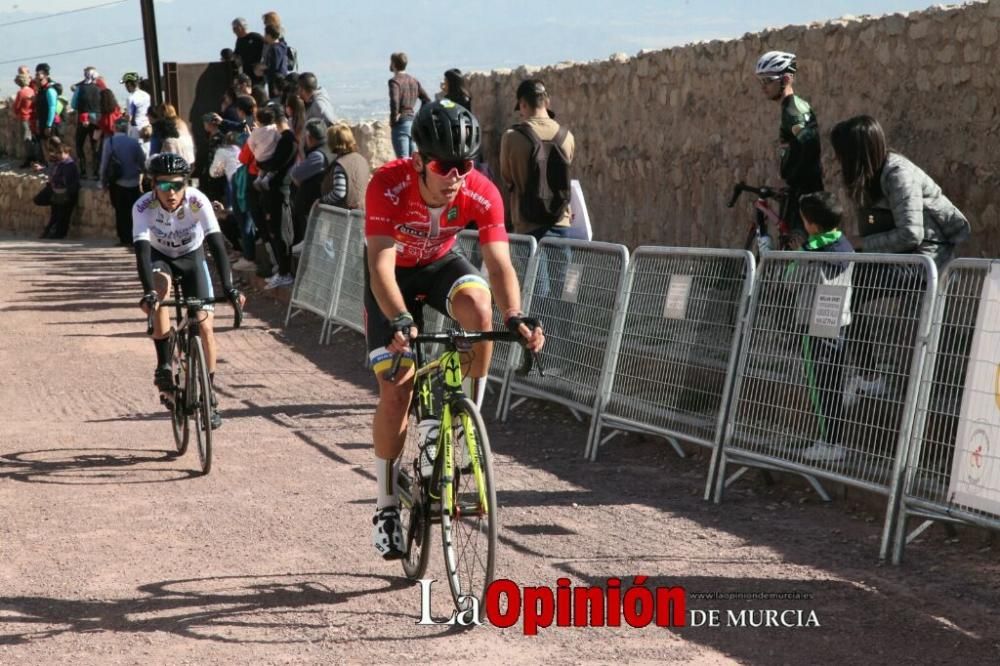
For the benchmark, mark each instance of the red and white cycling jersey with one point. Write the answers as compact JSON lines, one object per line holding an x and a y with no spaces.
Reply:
{"x":394,"y":207}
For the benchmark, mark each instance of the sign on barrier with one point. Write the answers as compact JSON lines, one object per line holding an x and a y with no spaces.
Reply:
{"x":841,"y":407}
{"x":576,"y":287}
{"x":320,"y":263}
{"x":953,"y":470}
{"x":675,"y":343}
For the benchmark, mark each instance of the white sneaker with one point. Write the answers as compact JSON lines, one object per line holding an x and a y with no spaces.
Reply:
{"x":297,"y":248}
{"x":860,"y":385}
{"x":244,"y":264}
{"x":821,"y":451}
{"x":387,"y":535}
{"x":279,"y":280}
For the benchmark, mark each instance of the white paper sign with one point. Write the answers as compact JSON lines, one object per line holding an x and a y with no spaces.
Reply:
{"x":579,"y":225}
{"x":975,"y":469}
{"x":676,"y":302}
{"x":571,"y":285}
{"x":828,"y":310}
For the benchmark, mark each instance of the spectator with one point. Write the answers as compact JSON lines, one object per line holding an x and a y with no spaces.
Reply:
{"x":213,"y":187}
{"x":23,"y":110}
{"x":345,"y":182}
{"x":453,"y":88}
{"x":136,"y":105}
{"x":900,"y":210}
{"x":225,"y":165}
{"x":404,"y":91}
{"x":315,"y":98}
{"x":275,"y":60}
{"x":110,"y":113}
{"x":122,"y":164}
{"x":243,"y":85}
{"x":307,"y":176}
{"x":228,"y":106}
{"x":295,"y":111}
{"x":517,"y":161}
{"x":180,"y":142}
{"x":823,"y":356}
{"x":275,"y":198}
{"x":259,"y":95}
{"x":64,"y":188}
{"x":87,"y":104}
{"x":46,"y":101}
{"x":249,"y":47}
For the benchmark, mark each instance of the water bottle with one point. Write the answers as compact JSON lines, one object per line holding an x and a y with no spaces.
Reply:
{"x":427,"y":435}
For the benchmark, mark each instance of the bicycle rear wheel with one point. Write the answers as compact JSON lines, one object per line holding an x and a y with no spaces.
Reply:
{"x":178,"y":413}
{"x":413,"y":506}
{"x":200,"y":400}
{"x":469,"y":532}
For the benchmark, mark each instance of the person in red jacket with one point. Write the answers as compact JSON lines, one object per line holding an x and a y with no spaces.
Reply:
{"x":23,"y":110}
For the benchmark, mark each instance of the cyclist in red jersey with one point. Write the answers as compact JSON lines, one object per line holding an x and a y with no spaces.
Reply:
{"x":414,"y":209}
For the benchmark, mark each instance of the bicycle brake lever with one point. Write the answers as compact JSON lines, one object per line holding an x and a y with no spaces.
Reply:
{"x":149,"y":322}
{"x":528,"y":360}
{"x":237,"y":314}
{"x":737,"y":190}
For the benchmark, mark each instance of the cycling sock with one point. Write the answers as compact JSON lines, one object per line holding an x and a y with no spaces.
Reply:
{"x":385,"y":473}
{"x":162,"y":351}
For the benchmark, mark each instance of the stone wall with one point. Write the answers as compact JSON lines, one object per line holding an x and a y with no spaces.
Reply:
{"x":661,"y":137}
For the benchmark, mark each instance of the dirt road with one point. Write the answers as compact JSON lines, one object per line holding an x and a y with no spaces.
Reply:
{"x":111,"y":551}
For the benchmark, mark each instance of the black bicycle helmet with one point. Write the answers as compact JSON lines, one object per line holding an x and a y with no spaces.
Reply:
{"x":168,"y":164}
{"x":446,"y":131}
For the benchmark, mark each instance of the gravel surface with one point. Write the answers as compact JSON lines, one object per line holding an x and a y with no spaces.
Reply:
{"x":114,"y":552}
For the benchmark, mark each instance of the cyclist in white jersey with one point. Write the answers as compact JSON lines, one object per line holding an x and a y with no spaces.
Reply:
{"x":170,"y":227}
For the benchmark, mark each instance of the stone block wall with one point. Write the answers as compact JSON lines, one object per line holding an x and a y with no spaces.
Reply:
{"x":662,"y":137}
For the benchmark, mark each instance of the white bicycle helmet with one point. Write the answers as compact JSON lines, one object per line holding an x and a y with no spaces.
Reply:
{"x":776,"y":62}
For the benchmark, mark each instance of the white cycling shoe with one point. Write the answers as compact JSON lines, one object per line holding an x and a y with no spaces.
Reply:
{"x":387,"y":535}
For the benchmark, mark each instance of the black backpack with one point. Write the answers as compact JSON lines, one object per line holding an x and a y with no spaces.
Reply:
{"x":546,"y":194}
{"x":114,"y":169}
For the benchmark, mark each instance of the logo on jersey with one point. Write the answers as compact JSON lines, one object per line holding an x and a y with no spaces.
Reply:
{"x":452,"y":214}
{"x":392,"y":194}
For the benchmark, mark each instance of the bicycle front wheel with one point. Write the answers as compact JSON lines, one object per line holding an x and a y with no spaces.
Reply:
{"x":469,"y":521}
{"x":200,"y":401}
{"x":178,"y":413}
{"x":413,"y":506}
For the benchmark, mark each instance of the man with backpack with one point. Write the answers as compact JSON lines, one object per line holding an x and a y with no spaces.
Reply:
{"x":535,"y":155}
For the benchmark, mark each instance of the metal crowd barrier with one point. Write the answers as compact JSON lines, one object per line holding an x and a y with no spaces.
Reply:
{"x":319,"y":265}
{"x":674,"y":345}
{"x":348,"y":305}
{"x":827,"y":382}
{"x":953,"y":470}
{"x":576,"y":287}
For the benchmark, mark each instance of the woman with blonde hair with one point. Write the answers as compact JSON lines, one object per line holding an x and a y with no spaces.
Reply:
{"x":346,"y":179}
{"x":181,"y":141}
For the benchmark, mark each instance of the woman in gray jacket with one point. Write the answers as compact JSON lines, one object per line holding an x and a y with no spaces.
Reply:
{"x":901,"y":210}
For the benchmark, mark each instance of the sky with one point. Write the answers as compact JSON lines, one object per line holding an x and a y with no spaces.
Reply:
{"x":349,"y":49}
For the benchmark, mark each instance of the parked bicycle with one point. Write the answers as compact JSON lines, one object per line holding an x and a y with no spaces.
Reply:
{"x":448,"y":478}
{"x":762,"y":214}
{"x":192,"y":396}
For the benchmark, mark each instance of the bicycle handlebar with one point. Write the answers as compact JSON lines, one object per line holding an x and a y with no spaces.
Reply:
{"x":469,"y":337}
{"x":191,"y":303}
{"x":761,"y":192}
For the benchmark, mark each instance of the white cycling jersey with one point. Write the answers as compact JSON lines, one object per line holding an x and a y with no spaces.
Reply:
{"x":176,"y":233}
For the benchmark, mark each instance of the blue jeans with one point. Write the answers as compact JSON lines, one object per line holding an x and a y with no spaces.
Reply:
{"x":402,"y":144}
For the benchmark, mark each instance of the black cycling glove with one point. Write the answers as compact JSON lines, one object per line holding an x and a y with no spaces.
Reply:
{"x":151,"y":299}
{"x":514,"y":323}
{"x":402,"y":324}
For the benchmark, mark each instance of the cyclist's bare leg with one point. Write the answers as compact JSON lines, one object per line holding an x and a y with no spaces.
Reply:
{"x":161,"y":320}
{"x":389,"y":425}
{"x":206,"y":328}
{"x":472,"y":308}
